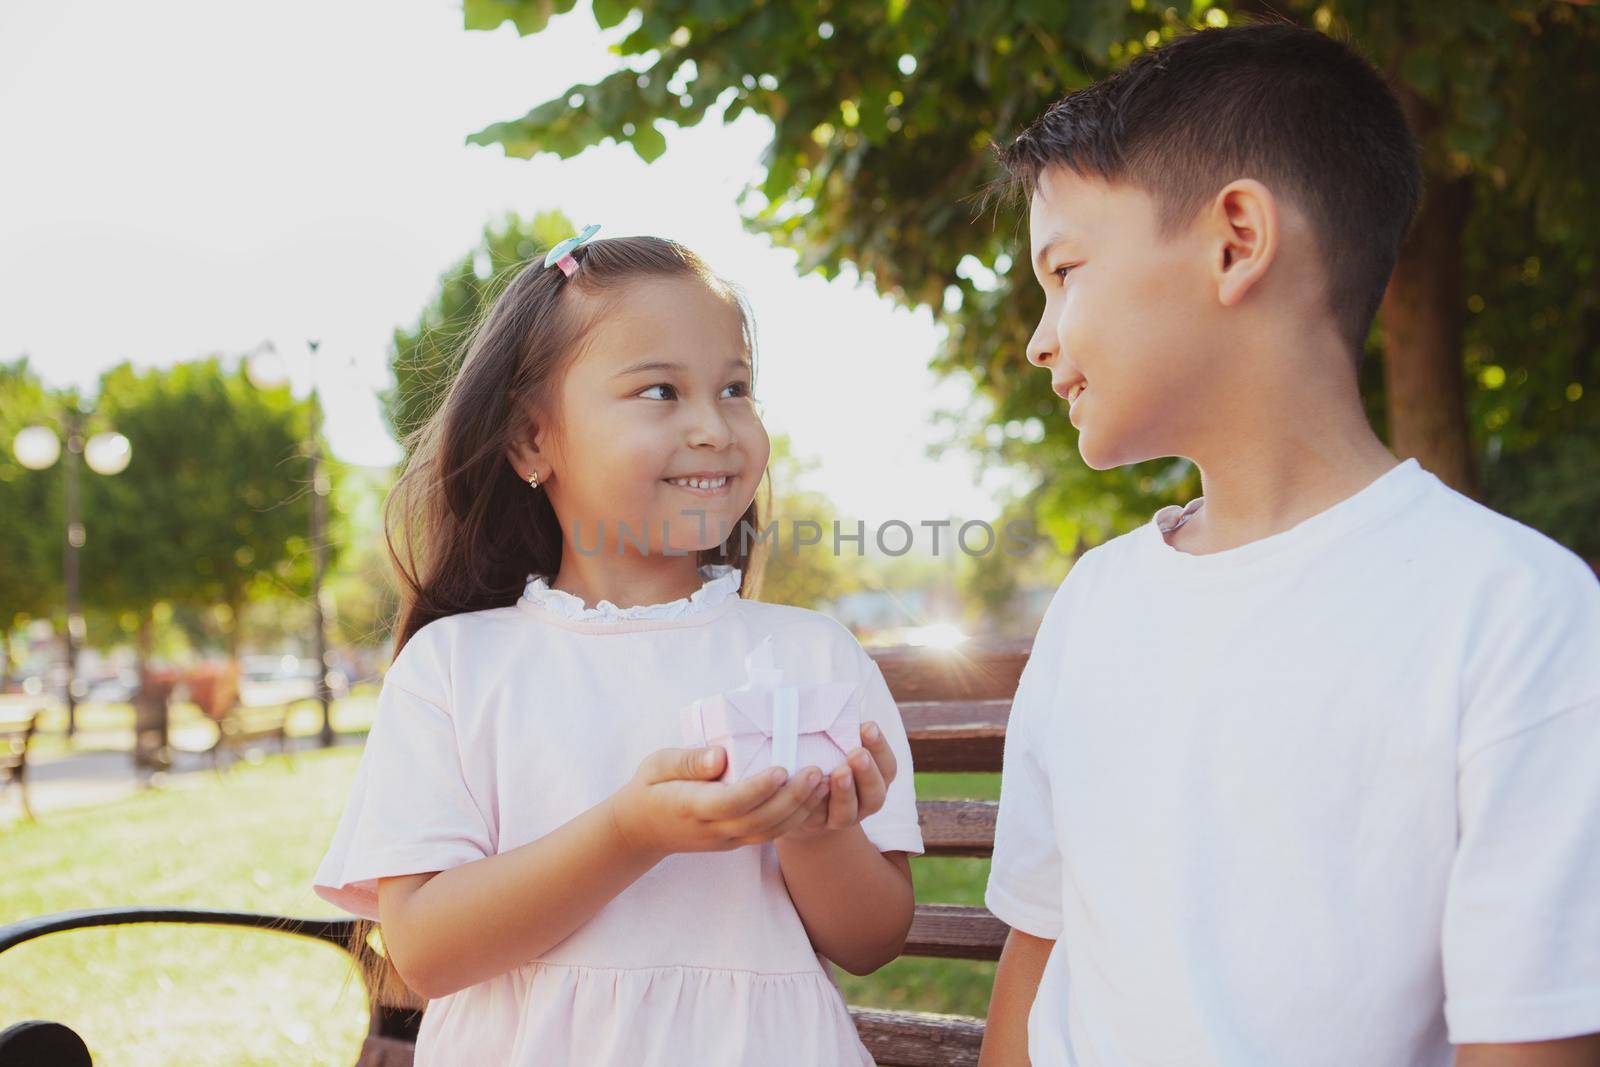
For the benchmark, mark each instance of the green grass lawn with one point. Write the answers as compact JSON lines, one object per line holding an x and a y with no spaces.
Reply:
{"x":198,"y":995}
{"x":170,"y":995}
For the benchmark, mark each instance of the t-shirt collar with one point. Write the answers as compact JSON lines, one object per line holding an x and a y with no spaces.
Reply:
{"x":1378,"y":499}
{"x":720,"y":583}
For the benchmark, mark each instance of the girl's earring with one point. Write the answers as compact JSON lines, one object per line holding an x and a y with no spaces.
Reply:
{"x":533,"y":480}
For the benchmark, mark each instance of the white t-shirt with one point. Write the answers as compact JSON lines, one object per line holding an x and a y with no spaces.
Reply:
{"x":1331,"y":797}
{"x":497,"y":727}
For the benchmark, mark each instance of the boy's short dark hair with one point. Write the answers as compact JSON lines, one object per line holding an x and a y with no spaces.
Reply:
{"x":1293,"y":108}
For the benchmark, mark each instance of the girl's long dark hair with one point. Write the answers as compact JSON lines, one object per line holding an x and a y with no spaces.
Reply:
{"x":464,"y":530}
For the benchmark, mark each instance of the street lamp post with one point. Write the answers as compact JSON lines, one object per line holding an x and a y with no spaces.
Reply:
{"x":266,"y":370}
{"x":319,"y":554}
{"x":76,"y":631}
{"x":38,"y":448}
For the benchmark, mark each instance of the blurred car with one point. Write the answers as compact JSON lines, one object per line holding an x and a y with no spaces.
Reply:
{"x":281,"y":679}
{"x":118,"y":688}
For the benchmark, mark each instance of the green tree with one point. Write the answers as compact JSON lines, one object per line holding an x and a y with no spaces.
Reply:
{"x":213,"y":509}
{"x":802,"y":575}
{"x":426,"y":356}
{"x":32,"y":523}
{"x":881,"y":115}
{"x":362,"y":585}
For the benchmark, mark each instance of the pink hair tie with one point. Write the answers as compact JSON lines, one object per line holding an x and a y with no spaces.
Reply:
{"x":561,"y":254}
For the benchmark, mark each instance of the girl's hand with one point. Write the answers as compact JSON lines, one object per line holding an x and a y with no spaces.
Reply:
{"x":672,"y":804}
{"x":856,"y":788}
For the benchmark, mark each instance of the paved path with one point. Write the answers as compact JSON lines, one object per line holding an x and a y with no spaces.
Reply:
{"x":84,"y":779}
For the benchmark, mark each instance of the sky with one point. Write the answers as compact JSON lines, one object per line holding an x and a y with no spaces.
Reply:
{"x":180,"y":178}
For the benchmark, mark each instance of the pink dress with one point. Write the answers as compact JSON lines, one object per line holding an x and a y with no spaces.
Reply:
{"x":496,"y":727}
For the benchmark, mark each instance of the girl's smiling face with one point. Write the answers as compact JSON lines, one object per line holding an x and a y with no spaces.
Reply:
{"x":654,"y":425}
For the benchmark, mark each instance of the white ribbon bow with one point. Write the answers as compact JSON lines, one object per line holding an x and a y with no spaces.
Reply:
{"x":767,"y":677}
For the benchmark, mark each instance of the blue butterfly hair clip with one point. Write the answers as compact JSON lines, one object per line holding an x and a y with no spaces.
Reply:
{"x":561,"y":254}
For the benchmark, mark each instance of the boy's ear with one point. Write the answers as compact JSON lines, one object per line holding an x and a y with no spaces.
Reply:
{"x":1245,"y":220}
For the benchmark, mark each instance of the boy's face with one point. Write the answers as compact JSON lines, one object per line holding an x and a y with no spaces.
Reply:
{"x":1126,"y":317}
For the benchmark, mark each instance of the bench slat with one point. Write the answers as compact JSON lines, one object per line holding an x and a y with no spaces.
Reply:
{"x":956,"y":735}
{"x":377,"y":1051}
{"x":957,"y":827}
{"x":977,"y":670}
{"x":955,"y":931}
{"x":919,"y":1039}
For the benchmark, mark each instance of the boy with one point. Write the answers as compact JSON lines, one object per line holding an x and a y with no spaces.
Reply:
{"x":1308,"y":772}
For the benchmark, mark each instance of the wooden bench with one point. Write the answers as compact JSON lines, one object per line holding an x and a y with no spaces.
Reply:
{"x":245,"y":716}
{"x":16,"y":735}
{"x":954,"y":704}
{"x":246,"y":725}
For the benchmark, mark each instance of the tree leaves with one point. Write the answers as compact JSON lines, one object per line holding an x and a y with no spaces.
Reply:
{"x":32,"y":523}
{"x":648,"y":142}
{"x":609,"y":13}
{"x":882,"y":171}
{"x":529,"y":16}
{"x":214,"y":506}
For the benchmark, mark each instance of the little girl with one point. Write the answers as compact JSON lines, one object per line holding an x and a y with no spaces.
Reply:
{"x":555,"y":866}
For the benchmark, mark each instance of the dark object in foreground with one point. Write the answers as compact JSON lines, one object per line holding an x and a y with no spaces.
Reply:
{"x":35,"y":1043}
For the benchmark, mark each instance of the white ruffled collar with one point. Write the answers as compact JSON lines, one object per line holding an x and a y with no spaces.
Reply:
{"x":721,"y":583}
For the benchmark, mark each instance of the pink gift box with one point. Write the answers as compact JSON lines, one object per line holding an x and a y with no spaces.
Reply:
{"x":772,"y":722}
